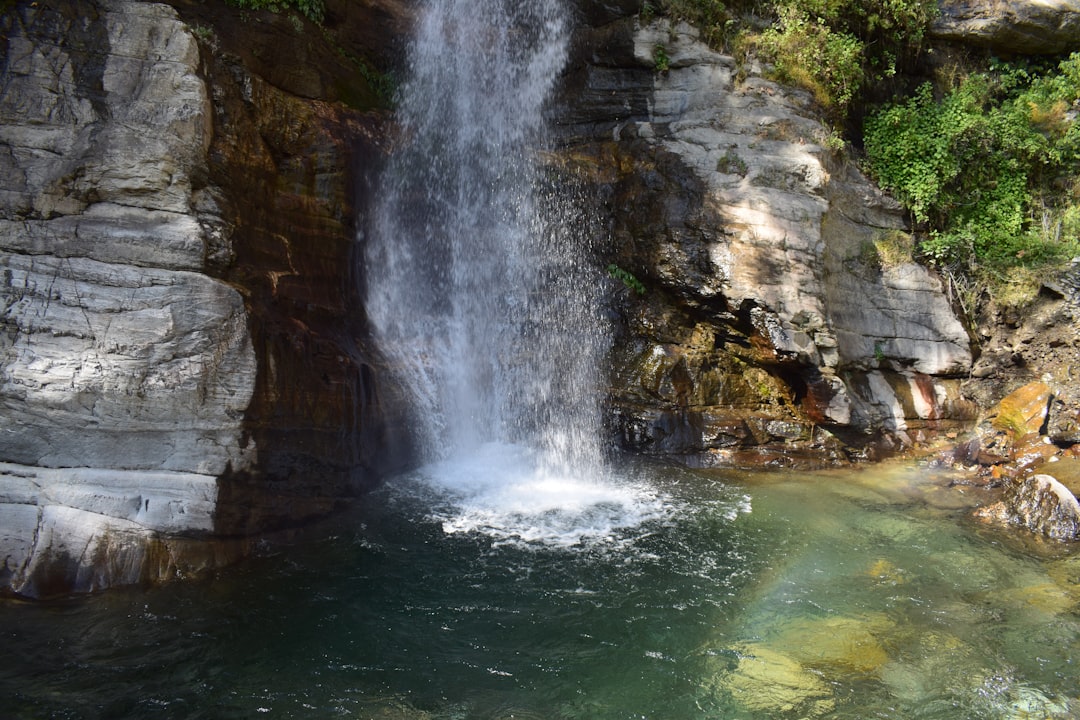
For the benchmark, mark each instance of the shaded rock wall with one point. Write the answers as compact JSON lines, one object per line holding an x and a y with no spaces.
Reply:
{"x":181,"y":356}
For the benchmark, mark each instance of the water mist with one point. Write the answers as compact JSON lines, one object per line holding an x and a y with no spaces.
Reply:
{"x":483,"y":287}
{"x":479,"y":283}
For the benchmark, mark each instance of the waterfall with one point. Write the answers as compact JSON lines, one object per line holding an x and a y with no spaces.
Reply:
{"x":480,"y":284}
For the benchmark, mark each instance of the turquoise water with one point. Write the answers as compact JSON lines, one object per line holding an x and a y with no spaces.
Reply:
{"x":659,"y":593}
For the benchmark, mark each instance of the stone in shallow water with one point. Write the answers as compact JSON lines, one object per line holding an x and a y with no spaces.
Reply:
{"x":770,"y":682}
{"x":1045,"y":506}
{"x":840,"y":644}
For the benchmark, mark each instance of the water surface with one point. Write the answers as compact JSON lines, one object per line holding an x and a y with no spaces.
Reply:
{"x":653,"y":593}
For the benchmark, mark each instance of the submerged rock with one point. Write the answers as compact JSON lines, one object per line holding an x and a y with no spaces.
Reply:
{"x":770,"y":682}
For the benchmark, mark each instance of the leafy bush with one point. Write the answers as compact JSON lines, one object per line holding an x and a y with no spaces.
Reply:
{"x":836,"y":47}
{"x":808,"y":53}
{"x":981,"y":168}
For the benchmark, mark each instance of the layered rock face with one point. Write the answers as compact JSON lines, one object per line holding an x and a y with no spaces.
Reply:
{"x":1040,"y":27}
{"x":124,"y":371}
{"x":180,"y":355}
{"x":767,"y":317}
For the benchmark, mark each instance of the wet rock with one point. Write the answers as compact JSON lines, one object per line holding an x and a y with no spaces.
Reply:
{"x":769,"y":682}
{"x":1046,"y":507}
{"x":1039,"y":504}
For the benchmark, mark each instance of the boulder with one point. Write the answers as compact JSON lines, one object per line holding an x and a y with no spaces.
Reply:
{"x":1039,"y":504}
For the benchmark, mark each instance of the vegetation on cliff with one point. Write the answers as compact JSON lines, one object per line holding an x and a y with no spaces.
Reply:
{"x":986,"y":156}
{"x":834,"y":48}
{"x":990,"y":170}
{"x":313,"y":10}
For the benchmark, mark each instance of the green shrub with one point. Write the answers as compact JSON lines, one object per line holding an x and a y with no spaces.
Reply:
{"x":981,"y":166}
{"x":835,"y":48}
{"x":808,"y":53}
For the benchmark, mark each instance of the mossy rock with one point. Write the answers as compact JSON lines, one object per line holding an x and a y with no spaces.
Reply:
{"x":1023,"y":411}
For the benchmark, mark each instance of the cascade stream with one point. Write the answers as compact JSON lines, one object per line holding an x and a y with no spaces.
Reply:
{"x":479,"y":284}
{"x":482,"y":288}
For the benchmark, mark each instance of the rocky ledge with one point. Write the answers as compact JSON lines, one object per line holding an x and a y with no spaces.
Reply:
{"x":1019,"y":447}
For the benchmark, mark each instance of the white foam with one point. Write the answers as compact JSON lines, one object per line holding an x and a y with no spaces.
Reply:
{"x":504,"y":492}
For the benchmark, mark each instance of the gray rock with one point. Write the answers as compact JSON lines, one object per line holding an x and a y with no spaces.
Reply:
{"x":125,"y":371}
{"x":1032,"y":28}
{"x":1044,"y":506}
{"x":794,"y":221}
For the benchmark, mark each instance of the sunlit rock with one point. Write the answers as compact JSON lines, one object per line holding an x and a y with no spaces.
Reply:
{"x":1022,"y":412}
{"x":1044,"y":506}
{"x":734,"y":213}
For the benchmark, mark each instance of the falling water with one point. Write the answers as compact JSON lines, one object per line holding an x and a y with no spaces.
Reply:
{"x":480,"y":287}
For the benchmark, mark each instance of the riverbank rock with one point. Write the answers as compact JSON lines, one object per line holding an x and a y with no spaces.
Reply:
{"x":766,"y":329}
{"x":181,"y":364}
{"x":1040,"y":504}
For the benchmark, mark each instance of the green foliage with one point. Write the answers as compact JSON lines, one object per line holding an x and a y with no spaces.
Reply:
{"x":661,"y":61}
{"x":731,"y":164}
{"x":889,"y":249}
{"x":836,"y":47}
{"x":626,"y":278}
{"x":313,"y":10}
{"x":712,"y":17}
{"x":809,"y":53}
{"x":982,"y":166}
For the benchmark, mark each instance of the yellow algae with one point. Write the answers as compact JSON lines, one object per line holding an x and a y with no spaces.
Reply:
{"x":886,"y":572}
{"x":837,"y":644}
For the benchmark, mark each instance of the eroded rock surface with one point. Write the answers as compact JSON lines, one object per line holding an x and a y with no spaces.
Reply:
{"x":763,"y":323}
{"x":1033,"y":27}
{"x":117,"y":353}
{"x":181,"y":361}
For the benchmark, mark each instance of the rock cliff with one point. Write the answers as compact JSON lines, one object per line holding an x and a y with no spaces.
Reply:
{"x":181,"y":356}
{"x":768,"y":326}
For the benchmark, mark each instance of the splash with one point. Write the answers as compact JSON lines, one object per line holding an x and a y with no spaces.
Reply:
{"x":502,"y":492}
